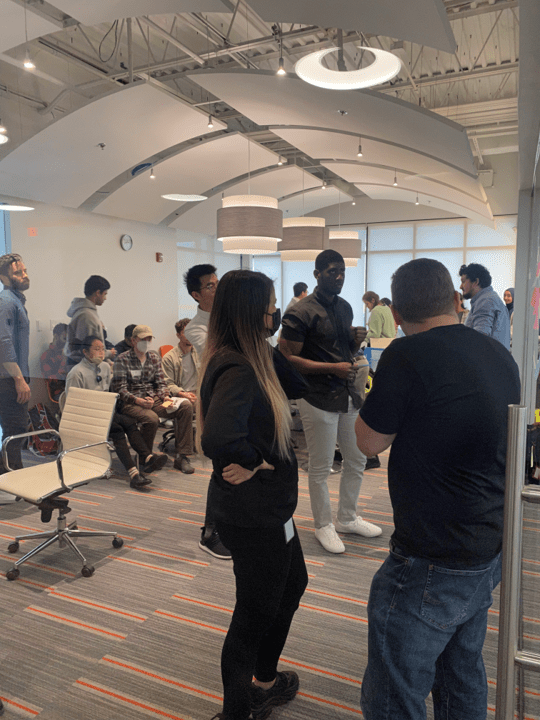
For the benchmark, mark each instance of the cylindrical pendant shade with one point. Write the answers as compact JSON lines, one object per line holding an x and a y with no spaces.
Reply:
{"x":303,"y":239}
{"x":347,"y":244}
{"x":250,"y":225}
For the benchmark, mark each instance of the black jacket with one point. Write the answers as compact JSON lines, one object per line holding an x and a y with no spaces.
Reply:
{"x":239,"y":428}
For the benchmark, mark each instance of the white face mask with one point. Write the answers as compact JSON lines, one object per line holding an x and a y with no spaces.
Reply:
{"x":143,"y":345}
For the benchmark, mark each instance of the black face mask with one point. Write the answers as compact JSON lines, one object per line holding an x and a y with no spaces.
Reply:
{"x":276,"y":322}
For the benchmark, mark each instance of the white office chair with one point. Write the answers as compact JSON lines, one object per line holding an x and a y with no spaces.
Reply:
{"x":85,"y":455}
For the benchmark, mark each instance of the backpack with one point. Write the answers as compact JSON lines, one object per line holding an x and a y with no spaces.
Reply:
{"x":42,"y":419}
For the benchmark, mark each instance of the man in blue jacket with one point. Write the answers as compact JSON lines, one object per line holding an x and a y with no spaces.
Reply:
{"x":488,"y":312}
{"x":14,"y":347}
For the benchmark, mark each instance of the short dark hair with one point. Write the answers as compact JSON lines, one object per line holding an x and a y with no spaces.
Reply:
{"x":6,"y":261}
{"x":86,"y":344}
{"x":371,"y":296}
{"x":192,"y":279}
{"x":474,"y":271}
{"x":386,"y":301}
{"x":94,"y":283}
{"x":128,"y":331}
{"x":422,"y":289}
{"x":299,"y":288}
{"x":181,"y":324}
{"x":60,"y":328}
{"x":326,"y":258}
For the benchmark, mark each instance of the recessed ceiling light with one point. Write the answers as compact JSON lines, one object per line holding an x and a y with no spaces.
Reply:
{"x":15,"y":208}
{"x":184,"y":198}
{"x":384,"y":68}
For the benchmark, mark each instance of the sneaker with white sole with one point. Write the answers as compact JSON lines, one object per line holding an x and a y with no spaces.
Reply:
{"x":329,"y":539}
{"x":359,"y":527}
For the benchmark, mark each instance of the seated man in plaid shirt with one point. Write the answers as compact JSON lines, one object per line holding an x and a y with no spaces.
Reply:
{"x":138,"y":378}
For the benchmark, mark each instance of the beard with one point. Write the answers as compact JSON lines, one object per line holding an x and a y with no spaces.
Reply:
{"x":467,"y":296}
{"x":20,"y":285}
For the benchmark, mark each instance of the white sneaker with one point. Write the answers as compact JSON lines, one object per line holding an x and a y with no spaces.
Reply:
{"x":329,"y":539}
{"x":359,"y":527}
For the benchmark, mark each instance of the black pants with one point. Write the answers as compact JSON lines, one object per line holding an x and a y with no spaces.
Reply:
{"x":271,"y":577}
{"x":14,"y":421}
{"x":121,"y":426}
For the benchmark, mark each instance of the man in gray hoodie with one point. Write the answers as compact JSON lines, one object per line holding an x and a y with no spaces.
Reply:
{"x":85,"y":319}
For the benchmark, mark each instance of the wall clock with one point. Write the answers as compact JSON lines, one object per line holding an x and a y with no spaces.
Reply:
{"x":126,"y":242}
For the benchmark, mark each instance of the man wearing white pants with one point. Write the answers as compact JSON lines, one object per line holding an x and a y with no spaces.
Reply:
{"x":318,"y":338}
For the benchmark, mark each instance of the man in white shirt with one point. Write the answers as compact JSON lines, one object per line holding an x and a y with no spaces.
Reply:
{"x":300,"y":290}
{"x":201,"y":283}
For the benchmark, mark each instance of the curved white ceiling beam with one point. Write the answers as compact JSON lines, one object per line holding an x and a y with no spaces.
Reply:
{"x":287,"y":101}
{"x":423,"y":21}
{"x":326,"y":145}
{"x":12,"y":25}
{"x":93,"y":12}
{"x":430,"y":199}
{"x":194,"y":171}
{"x":64,"y":165}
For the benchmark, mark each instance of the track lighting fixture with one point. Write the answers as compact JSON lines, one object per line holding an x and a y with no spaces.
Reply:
{"x":359,"y":153}
{"x":417,"y":200}
{"x":281,"y":68}
{"x":280,"y":161}
{"x":210,"y":121}
{"x":395,"y":178}
{"x":28,"y":64}
{"x":152,"y":174}
{"x":353,"y":202}
{"x":324,"y":185}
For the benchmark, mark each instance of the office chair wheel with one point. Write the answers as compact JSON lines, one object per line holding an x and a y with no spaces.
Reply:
{"x":87,"y":570}
{"x":13,"y":574}
{"x":13,"y":547}
{"x":117,"y":542}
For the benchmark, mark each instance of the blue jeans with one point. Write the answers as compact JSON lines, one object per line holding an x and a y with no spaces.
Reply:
{"x":427,"y":626}
{"x":13,"y":420}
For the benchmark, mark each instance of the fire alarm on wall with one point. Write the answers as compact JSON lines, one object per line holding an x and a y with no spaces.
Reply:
{"x":159,"y":257}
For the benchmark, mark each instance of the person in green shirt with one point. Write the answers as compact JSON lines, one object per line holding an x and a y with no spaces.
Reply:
{"x":381,"y":321}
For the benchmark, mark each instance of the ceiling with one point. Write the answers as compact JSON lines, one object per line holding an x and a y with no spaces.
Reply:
{"x":123,"y":86}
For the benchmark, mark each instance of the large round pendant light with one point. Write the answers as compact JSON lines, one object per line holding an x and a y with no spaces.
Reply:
{"x":347,"y":244}
{"x":249,"y":224}
{"x":303,"y":239}
{"x":385,"y":67}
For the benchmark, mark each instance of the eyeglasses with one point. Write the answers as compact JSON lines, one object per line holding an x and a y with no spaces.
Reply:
{"x":211,"y":286}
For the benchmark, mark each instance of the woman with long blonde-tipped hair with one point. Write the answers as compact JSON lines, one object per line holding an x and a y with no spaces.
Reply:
{"x":244,"y":422}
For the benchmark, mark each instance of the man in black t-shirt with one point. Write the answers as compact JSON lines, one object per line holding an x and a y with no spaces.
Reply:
{"x":440,"y":396}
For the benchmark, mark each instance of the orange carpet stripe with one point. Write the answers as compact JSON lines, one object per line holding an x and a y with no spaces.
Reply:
{"x":150,"y":567}
{"x":530,"y":572}
{"x":337,"y":597}
{"x":150,"y":496}
{"x":330,"y":702}
{"x":378,"y":512}
{"x":85,"y":502}
{"x":191,"y":512}
{"x":203,"y":603}
{"x":311,"y":576}
{"x":155,"y":676}
{"x":172,"y":557}
{"x":177,"y":492}
{"x":183,"y":520}
{"x":314,"y":562}
{"x":364,"y":557}
{"x":125,"y":699}
{"x":368,"y":547}
{"x":34,"y":584}
{"x":84,"y":626}
{"x":319,"y":670}
{"x":54,"y":593}
{"x":189,"y":620}
{"x":18,"y":705}
{"x":333,"y":612}
{"x":114,"y":522}
{"x":124,"y":537}
{"x":86,"y":492}
{"x":22,"y":527}
{"x":42,"y":567}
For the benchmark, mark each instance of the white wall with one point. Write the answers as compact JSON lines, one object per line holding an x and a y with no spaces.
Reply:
{"x":71,"y":245}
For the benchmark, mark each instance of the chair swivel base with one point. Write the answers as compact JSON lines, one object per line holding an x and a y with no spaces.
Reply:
{"x":63,"y":535}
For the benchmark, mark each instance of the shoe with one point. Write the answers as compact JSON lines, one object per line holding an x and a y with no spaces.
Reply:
{"x":183,"y":464}
{"x":156,"y":462}
{"x":329,"y":539}
{"x":139,"y":482}
{"x":211,"y":543}
{"x":281,"y":692}
{"x":373,"y":462}
{"x":359,"y":527}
